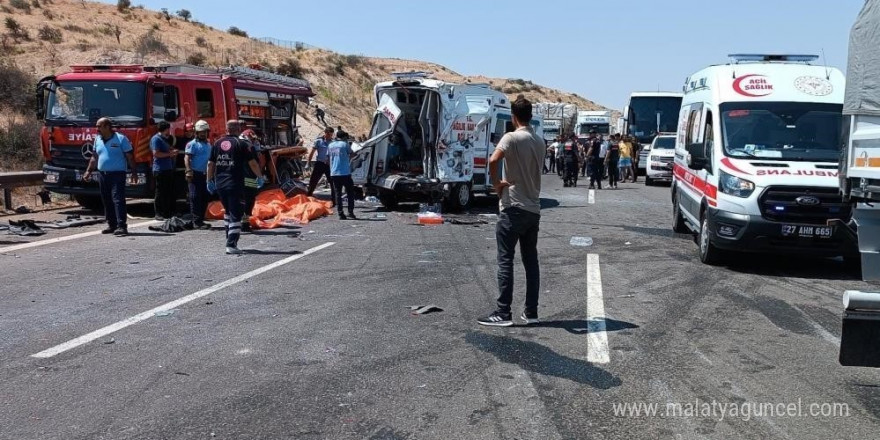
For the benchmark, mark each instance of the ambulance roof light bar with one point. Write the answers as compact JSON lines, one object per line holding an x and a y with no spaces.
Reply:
{"x":738,"y":58}
{"x":410,"y":75}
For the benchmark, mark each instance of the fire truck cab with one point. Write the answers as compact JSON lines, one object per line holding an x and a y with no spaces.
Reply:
{"x":136,"y":98}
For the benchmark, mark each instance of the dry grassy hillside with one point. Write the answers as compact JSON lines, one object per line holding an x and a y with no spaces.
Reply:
{"x":46,"y":36}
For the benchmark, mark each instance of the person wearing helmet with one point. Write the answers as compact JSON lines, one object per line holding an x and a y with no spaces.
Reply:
{"x":198,"y":151}
{"x":250,"y":179}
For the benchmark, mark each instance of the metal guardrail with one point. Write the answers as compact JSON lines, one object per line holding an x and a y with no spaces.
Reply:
{"x":18,"y":179}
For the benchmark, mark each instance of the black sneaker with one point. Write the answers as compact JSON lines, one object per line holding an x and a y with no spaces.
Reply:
{"x":120,"y":232}
{"x":342,"y":216}
{"x":530,"y":318}
{"x":351,"y":216}
{"x":497,"y":319}
{"x":108,"y":231}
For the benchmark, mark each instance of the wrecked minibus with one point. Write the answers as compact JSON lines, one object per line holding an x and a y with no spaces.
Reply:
{"x":430,"y":141}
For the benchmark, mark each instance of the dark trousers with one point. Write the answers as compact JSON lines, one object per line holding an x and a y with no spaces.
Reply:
{"x":518,"y":225}
{"x":560,"y":166}
{"x":112,"y":185}
{"x":613,"y":173}
{"x":584,"y":167}
{"x":233,"y":204}
{"x":596,"y":172}
{"x":552,"y":163}
{"x":198,"y":197}
{"x":321,"y":169}
{"x":571,"y":172}
{"x":165,"y":197}
{"x":340,"y":183}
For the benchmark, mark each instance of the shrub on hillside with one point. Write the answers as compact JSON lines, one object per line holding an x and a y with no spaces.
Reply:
{"x":50,"y":34}
{"x":291,"y":67}
{"x":36,"y":4}
{"x":21,"y":4}
{"x":16,"y":87}
{"x":15,"y":29}
{"x":48,"y":14}
{"x":20,"y":142}
{"x":123,"y":5}
{"x":237,"y":32}
{"x":149,"y":43}
{"x":201,"y":42}
{"x":197,"y":59}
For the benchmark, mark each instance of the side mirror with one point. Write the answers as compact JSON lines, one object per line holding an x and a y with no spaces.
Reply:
{"x":696,"y":157}
{"x":170,"y":115}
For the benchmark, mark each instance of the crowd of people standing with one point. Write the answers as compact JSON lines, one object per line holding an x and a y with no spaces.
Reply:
{"x":613,"y":158}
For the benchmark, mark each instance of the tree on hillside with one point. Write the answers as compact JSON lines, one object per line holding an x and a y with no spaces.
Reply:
{"x":118,"y":33}
{"x":165,"y":14}
{"x":123,"y":5}
{"x":184,"y":14}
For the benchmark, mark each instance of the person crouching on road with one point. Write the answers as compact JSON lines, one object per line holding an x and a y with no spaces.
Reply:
{"x":198,"y":152}
{"x":229,"y":157}
{"x":519,"y":191}
{"x":340,"y":154}
{"x":112,"y":153}
{"x":163,"y":171}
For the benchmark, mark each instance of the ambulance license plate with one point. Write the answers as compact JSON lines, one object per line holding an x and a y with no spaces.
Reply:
{"x":807,"y":231}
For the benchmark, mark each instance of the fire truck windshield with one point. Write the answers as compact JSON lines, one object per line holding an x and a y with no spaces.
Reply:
{"x":84,"y":102}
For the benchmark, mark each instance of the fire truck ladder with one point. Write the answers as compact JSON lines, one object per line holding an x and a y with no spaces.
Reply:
{"x":259,"y":75}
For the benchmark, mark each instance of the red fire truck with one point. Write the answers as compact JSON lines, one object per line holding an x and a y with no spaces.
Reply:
{"x":137,"y":97}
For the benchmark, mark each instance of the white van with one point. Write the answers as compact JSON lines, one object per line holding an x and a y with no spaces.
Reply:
{"x":756,"y":156}
{"x":659,"y":158}
{"x":431,"y":141}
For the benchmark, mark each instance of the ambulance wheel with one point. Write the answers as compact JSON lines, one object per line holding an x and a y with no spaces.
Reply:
{"x":678,"y":224}
{"x":460,"y":198}
{"x":91,"y":203}
{"x":389,"y":201}
{"x":709,"y":254}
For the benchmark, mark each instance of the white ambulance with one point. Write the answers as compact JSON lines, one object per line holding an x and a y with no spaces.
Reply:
{"x":756,"y":156}
{"x":431,"y":141}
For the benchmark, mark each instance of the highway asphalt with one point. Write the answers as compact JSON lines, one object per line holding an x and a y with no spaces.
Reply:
{"x":309,"y":335}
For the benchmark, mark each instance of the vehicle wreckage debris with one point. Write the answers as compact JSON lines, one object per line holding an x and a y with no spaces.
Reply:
{"x":581,"y":241}
{"x":424,"y":310}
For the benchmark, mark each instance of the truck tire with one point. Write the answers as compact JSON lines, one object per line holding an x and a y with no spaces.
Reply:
{"x":709,"y":254}
{"x":389,"y":201}
{"x":678,"y":224}
{"x":289,"y":169}
{"x":649,"y":181}
{"x":460,"y":198}
{"x":90,"y":202}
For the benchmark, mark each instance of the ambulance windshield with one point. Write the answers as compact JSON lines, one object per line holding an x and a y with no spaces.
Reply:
{"x":83,"y":102}
{"x":794,"y":131}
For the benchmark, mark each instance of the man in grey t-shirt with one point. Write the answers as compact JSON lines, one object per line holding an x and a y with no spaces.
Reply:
{"x":519,"y":190}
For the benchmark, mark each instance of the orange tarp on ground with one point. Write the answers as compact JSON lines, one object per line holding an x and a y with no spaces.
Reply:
{"x":272,"y":209}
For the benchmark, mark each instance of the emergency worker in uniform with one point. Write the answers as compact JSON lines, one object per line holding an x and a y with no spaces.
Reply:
{"x":226,"y":171}
{"x":572,"y":164}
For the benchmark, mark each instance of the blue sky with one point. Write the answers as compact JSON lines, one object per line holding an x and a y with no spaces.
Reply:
{"x":601,"y":50}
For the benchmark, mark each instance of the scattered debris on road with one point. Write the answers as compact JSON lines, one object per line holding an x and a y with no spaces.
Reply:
{"x":581,"y":241}
{"x":24,"y":228}
{"x":424,"y":310}
{"x":164,"y":313}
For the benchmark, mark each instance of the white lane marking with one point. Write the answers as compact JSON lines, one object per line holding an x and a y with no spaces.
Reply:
{"x":597,"y":338}
{"x":112,"y":328}
{"x":33,"y":244}
{"x":591,"y":199}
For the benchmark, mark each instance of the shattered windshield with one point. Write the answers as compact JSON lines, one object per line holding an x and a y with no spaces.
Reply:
{"x":88,"y":101}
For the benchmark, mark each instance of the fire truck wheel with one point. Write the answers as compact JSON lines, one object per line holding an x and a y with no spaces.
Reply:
{"x":92,"y":203}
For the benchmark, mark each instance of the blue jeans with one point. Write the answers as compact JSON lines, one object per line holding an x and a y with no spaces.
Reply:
{"x":518,"y":225}
{"x":112,"y":185}
{"x":233,"y":203}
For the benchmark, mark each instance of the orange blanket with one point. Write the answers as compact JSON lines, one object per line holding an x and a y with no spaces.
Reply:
{"x":272,"y":209}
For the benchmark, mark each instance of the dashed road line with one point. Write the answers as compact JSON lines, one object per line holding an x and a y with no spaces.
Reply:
{"x":33,"y":244}
{"x":112,"y":328}
{"x":597,"y":337}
